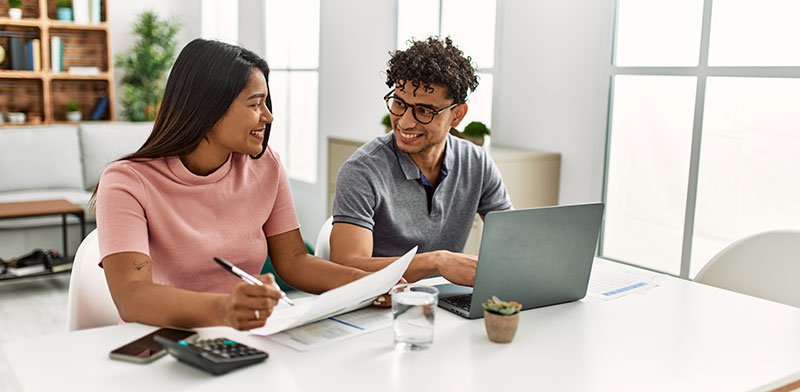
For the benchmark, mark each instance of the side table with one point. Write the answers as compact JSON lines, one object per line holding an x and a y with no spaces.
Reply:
{"x":30,"y":209}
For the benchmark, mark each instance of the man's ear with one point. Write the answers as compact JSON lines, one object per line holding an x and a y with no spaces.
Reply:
{"x":458,"y":114}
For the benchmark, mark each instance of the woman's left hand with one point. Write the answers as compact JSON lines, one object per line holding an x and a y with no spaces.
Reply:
{"x":385,"y":301}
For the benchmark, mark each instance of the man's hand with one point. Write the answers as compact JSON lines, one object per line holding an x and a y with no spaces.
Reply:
{"x":458,"y":268}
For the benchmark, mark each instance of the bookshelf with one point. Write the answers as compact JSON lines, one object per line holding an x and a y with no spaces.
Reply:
{"x":43,"y":94}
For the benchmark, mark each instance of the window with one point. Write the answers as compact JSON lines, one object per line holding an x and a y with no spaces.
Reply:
{"x":220,"y":20}
{"x":471,"y":25}
{"x":704,"y":131}
{"x":292,"y":40}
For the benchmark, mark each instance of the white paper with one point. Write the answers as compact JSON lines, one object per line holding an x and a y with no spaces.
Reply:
{"x":334,"y":329}
{"x":352,"y":296}
{"x":610,"y":283}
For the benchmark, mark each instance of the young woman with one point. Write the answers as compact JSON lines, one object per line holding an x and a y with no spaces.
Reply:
{"x":205,"y":184}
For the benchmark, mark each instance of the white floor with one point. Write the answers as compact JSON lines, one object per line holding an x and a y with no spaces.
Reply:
{"x":30,"y":308}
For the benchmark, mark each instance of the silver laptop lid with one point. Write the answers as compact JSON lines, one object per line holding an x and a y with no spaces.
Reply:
{"x":537,"y":256}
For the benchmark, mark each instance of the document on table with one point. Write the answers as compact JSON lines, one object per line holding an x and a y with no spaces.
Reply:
{"x":334,"y":329}
{"x":611,"y":282}
{"x":352,"y":296}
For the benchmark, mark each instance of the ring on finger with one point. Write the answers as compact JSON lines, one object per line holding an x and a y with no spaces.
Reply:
{"x":258,"y":314}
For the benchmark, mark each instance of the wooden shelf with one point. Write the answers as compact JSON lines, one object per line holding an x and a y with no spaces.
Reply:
{"x":25,"y":22}
{"x":60,"y":24}
{"x":44,"y":94}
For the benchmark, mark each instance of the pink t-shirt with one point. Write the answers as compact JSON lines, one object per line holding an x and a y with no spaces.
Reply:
{"x":182,"y":220}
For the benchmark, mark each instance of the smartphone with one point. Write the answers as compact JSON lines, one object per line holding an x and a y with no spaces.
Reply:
{"x":146,"y":349}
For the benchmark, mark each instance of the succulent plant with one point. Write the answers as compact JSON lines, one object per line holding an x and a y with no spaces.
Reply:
{"x":497,"y":306}
{"x":63,"y":3}
{"x":72,"y":106}
{"x":387,"y":122}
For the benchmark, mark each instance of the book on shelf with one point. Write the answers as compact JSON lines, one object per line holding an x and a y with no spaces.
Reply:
{"x":29,"y":270}
{"x":83,"y":71}
{"x":80,"y":11}
{"x":94,"y":11}
{"x":36,"y":55}
{"x":56,"y":51}
{"x":60,"y":264}
{"x":19,"y":52}
{"x":100,"y":108}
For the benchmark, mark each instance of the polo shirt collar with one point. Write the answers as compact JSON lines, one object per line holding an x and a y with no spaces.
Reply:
{"x":410,"y":169}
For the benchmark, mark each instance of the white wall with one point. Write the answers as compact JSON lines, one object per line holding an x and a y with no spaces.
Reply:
{"x":551,"y":85}
{"x":355,"y":39}
{"x":123,"y":15}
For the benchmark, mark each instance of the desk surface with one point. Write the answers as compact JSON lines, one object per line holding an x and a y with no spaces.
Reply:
{"x":26,"y":209}
{"x":681,"y":336}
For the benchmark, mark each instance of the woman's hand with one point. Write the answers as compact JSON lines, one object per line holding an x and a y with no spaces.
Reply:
{"x":248,"y":306}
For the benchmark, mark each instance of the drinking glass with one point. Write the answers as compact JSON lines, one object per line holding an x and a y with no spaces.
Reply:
{"x":413,"y":309}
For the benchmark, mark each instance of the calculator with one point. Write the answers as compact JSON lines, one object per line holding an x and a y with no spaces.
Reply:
{"x":216,"y":356}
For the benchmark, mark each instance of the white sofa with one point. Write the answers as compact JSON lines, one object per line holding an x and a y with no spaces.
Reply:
{"x":57,"y":162}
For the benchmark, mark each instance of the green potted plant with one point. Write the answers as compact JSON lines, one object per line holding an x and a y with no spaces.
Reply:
{"x":476,"y":132}
{"x":501,"y":319}
{"x":64,"y":10}
{"x":73,"y":111}
{"x":146,"y":65}
{"x":387,"y":123}
{"x":15,"y":9}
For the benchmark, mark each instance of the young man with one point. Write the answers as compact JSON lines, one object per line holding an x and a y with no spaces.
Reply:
{"x":418,"y":185}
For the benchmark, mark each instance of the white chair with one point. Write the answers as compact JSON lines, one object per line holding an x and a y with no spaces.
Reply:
{"x":89,"y":303}
{"x":765,"y":265}
{"x":323,"y":247}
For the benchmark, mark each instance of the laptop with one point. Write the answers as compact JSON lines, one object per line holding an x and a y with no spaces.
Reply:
{"x":536,"y":256}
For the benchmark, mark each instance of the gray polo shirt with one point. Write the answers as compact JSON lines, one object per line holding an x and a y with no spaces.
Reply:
{"x":379,"y":188}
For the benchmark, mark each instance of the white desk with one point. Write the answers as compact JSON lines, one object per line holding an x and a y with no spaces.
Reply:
{"x":681,"y":336}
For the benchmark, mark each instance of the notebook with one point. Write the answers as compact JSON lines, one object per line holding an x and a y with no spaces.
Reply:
{"x":536,"y":256}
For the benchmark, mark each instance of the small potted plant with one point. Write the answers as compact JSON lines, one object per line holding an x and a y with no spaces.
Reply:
{"x":387,"y":123}
{"x":64,"y":10}
{"x":73,"y":111}
{"x":15,"y":9}
{"x":476,"y":132}
{"x":501,"y":319}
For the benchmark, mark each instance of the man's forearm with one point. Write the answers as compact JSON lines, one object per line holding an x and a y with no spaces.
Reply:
{"x":422,"y":265}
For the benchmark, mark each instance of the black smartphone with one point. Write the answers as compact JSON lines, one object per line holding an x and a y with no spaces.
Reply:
{"x":146,"y":349}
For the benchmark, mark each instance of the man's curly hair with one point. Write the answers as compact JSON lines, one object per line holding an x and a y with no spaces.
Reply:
{"x":433,"y":61}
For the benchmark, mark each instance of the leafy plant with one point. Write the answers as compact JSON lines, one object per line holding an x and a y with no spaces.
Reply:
{"x":505,"y":308}
{"x":146,"y":65}
{"x":14,"y":4}
{"x":73,"y":106}
{"x":63,"y":3}
{"x":476,"y":129}
{"x":386,"y":121}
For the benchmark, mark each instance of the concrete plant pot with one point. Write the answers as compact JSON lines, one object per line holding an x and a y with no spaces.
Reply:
{"x":499,"y":328}
{"x":15,"y":13}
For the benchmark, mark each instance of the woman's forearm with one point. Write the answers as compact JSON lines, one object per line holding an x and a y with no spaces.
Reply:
{"x":314,"y":275}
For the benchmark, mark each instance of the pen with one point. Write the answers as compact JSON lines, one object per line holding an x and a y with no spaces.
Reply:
{"x":248,"y":278}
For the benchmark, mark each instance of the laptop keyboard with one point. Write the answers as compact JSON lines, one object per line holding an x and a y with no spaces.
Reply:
{"x":460,"y":301}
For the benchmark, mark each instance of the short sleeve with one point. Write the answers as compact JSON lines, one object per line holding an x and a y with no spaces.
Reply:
{"x":283,"y":217}
{"x":121,"y":218}
{"x":355,"y":198}
{"x":494,"y":196}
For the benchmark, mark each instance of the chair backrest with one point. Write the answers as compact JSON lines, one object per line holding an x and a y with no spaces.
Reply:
{"x":764,"y":265}
{"x":323,"y":247}
{"x":89,"y":303}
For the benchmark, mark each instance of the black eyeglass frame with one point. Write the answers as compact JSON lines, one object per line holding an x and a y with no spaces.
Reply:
{"x":407,"y":105}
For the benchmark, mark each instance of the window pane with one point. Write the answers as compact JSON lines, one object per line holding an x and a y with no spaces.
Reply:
{"x":417,"y":19}
{"x":303,"y":114}
{"x":658,"y":32}
{"x":292,"y":33}
{"x":471,"y":25}
{"x":744,"y":32}
{"x":480,"y":103}
{"x":220,"y":20}
{"x":749,"y":180}
{"x":279,"y":91}
{"x":648,"y":168}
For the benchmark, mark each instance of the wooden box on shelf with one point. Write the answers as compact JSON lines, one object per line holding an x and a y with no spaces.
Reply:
{"x":42,"y":93}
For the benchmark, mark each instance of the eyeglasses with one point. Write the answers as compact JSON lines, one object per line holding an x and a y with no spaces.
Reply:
{"x":423,"y":114}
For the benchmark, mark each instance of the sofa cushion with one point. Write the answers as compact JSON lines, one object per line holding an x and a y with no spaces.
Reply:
{"x":40,"y":158}
{"x":75,"y":195}
{"x":106,"y":142}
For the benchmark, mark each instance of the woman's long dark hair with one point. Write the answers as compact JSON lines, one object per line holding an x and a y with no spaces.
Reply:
{"x":206,"y":78}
